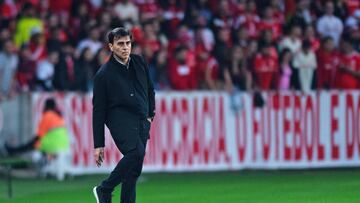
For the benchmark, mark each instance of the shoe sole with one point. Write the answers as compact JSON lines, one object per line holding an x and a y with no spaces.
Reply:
{"x":95,"y":194}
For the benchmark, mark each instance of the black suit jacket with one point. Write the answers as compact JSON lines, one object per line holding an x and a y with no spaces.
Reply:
{"x":114,"y":103}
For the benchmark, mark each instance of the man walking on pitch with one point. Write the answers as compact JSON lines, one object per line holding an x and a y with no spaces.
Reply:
{"x":124,"y":100}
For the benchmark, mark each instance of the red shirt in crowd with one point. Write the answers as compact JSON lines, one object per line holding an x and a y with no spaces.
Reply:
{"x":154,"y":44}
{"x":174,"y":14}
{"x":345,"y":80}
{"x":266,"y":68}
{"x":315,"y":44}
{"x":149,"y":9}
{"x":38,"y":51}
{"x":60,"y":6}
{"x":204,"y":65}
{"x":272,"y":25}
{"x":251,"y":22}
{"x":182,"y":76}
{"x":352,"y":6}
{"x":8,"y":10}
{"x":327,"y":64}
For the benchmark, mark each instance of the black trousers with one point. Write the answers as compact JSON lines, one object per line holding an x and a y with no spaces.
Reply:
{"x":128,"y":169}
{"x":30,"y":145}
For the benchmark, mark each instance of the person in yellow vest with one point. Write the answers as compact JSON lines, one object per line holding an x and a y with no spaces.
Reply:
{"x":51,"y":136}
{"x":27,"y":25}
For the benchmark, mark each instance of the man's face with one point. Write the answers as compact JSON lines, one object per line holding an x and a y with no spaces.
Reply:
{"x":121,"y":47}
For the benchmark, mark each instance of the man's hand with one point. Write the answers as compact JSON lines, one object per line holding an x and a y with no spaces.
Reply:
{"x":99,"y":155}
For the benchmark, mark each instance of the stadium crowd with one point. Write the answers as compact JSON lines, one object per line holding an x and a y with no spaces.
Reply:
{"x":189,"y":44}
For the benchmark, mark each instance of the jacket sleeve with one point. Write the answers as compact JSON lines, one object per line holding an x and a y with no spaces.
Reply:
{"x":151,"y":91}
{"x":99,"y":109}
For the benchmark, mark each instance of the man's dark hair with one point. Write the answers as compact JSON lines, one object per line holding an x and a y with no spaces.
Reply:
{"x":117,"y":33}
{"x":50,"y":104}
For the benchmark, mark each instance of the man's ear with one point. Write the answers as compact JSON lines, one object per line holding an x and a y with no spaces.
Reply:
{"x":111,"y":46}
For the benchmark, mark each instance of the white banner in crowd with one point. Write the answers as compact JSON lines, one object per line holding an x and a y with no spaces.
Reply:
{"x":201,"y":131}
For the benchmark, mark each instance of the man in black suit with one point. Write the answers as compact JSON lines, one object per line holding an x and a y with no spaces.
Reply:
{"x":124,"y":100}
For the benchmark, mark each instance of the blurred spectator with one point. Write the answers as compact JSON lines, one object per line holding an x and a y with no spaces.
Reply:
{"x":92,"y":42}
{"x":329,"y":24}
{"x":80,"y":19}
{"x":353,"y":21}
{"x":249,"y":20}
{"x":45,"y":72}
{"x":105,"y":20}
{"x":8,"y":65}
{"x":302,"y":17}
{"x":5,"y":34}
{"x":207,"y":67}
{"x":292,"y":41}
{"x":198,"y":9}
{"x":251,"y":51}
{"x":27,"y":24}
{"x":278,"y":8}
{"x":54,"y":41}
{"x":285,"y":69}
{"x":327,"y":60}
{"x":173,"y":13}
{"x":148,"y":53}
{"x":8,"y":10}
{"x":150,"y":37}
{"x":352,"y":28}
{"x":269,"y":22}
{"x":305,"y":61}
{"x":237,"y":76}
{"x":204,"y":34}
{"x":84,"y":71}
{"x":182,"y":76}
{"x":265,"y":68}
{"x":222,"y":49}
{"x":148,"y":9}
{"x":242,"y":37}
{"x":27,"y":69}
{"x":310,"y":35}
{"x":267,"y":38}
{"x":159,"y":33}
{"x":341,"y":9}
{"x":64,"y":73}
{"x":222,"y":15}
{"x":352,"y":6}
{"x":158,"y":69}
{"x":37,"y":46}
{"x":348,"y":74}
{"x":127,"y":11}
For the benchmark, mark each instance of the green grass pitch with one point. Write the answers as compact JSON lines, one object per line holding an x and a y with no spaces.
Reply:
{"x":295,"y":186}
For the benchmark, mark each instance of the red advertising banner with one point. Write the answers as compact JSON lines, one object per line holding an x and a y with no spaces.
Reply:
{"x":203,"y":131}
